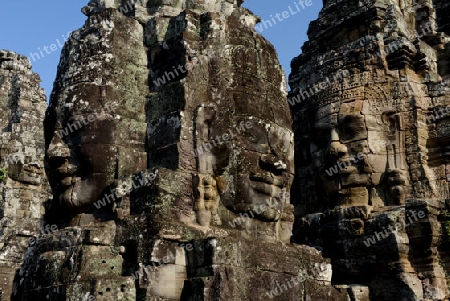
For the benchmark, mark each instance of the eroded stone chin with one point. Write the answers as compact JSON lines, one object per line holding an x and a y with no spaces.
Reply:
{"x":77,"y":196}
{"x":353,"y":196}
{"x":263,"y":201}
{"x":65,"y":198}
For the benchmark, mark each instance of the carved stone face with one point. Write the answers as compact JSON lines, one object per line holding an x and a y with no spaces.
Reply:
{"x":261,"y":168}
{"x":247,"y":165}
{"x":336,"y":143}
{"x":251,"y":162}
{"x":77,"y":171}
{"x":95,"y":126}
{"x":353,"y":150}
{"x":253,"y":166}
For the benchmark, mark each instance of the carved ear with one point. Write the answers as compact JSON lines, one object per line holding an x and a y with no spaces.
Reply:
{"x":395,"y":150}
{"x":198,"y":193}
{"x":205,"y":115}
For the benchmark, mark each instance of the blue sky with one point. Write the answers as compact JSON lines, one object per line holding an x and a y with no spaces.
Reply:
{"x":28,"y":26}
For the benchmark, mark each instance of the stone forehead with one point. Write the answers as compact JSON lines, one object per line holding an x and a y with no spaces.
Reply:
{"x":365,"y":99}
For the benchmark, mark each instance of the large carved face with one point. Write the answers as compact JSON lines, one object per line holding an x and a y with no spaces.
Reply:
{"x":95,"y":123}
{"x":253,"y":169}
{"x":336,"y":141}
{"x":252,"y":166}
{"x":80,"y":164}
{"x":261,"y":168}
{"x":352,"y":147}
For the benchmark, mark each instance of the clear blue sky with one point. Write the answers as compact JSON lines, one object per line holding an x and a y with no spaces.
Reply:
{"x":27,"y":26}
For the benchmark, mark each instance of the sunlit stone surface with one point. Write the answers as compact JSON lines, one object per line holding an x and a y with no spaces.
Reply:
{"x":25,"y":187}
{"x":371,"y":145}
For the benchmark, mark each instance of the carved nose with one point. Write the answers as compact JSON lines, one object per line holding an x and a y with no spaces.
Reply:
{"x":58,"y":148}
{"x":337,"y":149}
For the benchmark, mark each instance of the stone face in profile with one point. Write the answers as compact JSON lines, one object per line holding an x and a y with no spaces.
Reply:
{"x":95,"y":124}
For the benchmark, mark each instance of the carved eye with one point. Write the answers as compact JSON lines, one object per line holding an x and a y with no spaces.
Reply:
{"x":352,"y":127}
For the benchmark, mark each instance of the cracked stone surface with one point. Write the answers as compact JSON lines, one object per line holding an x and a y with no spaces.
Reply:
{"x":25,"y":188}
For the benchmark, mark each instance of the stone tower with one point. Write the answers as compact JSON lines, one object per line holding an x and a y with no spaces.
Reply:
{"x":24,"y":187}
{"x":370,"y":105}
